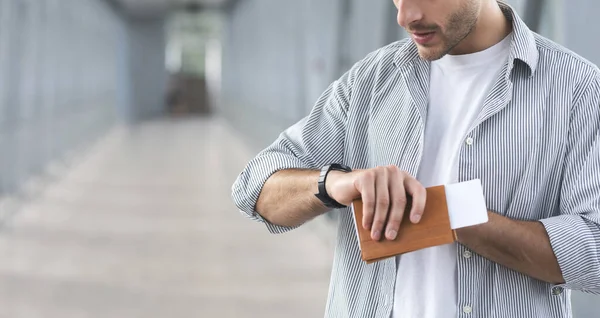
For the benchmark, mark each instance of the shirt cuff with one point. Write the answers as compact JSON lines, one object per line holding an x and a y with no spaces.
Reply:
{"x":576,"y":246}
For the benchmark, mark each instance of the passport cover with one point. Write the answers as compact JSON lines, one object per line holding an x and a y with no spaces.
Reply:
{"x":434,"y":229}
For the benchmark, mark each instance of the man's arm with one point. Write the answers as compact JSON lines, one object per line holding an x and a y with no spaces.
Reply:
{"x":296,"y":189}
{"x":520,"y":245}
{"x":380,"y":188}
{"x":277,"y":187}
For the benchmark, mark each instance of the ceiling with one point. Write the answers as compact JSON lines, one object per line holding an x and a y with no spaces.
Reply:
{"x":151,"y":7}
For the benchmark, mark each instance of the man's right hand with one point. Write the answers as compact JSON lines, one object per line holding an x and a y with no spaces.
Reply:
{"x":383,"y":191}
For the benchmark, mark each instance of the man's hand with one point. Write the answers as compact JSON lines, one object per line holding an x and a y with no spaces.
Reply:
{"x":383,"y":191}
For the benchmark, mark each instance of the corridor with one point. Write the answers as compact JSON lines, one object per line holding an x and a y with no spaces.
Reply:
{"x":143,"y":226}
{"x":124,"y":124}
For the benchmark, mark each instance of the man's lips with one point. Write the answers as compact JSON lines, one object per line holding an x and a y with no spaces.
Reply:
{"x":423,"y":37}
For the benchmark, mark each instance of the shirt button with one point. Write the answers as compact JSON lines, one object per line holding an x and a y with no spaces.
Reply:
{"x":469,"y":141}
{"x":467,"y":309}
{"x":467,"y":254}
{"x":557,"y":290}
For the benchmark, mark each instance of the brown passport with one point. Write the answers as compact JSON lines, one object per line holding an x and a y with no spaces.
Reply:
{"x":433,"y":230}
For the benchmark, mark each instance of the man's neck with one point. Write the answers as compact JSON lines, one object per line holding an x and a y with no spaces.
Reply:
{"x":492,"y":26}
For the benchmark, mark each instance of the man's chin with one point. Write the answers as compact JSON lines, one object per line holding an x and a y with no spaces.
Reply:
{"x":430,"y":53}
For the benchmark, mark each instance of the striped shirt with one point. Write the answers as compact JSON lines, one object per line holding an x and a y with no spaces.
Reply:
{"x":535,"y":146}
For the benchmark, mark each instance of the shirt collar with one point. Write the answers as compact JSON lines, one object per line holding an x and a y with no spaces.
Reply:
{"x":523,"y":44}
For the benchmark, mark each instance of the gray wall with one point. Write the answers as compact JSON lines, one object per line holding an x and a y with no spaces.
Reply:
{"x":279,"y":56}
{"x":263,"y":42}
{"x":148,"y":74}
{"x":58,"y":75}
{"x":69,"y":71}
{"x":580,"y":26}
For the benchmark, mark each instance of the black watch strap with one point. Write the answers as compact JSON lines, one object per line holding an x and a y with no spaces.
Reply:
{"x":322,"y":195}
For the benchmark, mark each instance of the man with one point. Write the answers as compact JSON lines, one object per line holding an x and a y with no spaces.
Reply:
{"x":473,"y":94}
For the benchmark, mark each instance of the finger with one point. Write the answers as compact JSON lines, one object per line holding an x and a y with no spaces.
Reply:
{"x":397,"y":203}
{"x":419,"y":197}
{"x":366,"y":187}
{"x":382,"y":204}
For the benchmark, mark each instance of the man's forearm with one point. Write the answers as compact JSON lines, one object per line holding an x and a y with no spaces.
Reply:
{"x":288,"y":198}
{"x":520,"y":245}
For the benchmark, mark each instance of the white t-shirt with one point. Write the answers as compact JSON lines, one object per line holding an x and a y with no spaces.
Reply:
{"x":426,"y":284}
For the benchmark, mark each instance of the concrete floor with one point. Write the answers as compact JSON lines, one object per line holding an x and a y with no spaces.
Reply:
{"x":143,"y":226}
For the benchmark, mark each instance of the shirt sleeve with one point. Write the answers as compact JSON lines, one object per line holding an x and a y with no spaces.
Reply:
{"x":316,"y":140}
{"x":575,"y":233}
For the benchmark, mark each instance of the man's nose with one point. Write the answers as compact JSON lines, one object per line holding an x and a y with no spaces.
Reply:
{"x":408,"y":12}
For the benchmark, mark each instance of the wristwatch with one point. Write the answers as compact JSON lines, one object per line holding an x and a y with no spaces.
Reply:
{"x":322,"y":195}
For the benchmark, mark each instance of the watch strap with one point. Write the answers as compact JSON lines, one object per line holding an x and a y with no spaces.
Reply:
{"x":322,"y":195}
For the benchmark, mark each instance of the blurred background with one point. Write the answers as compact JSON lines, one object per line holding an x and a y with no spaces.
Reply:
{"x":123,"y":124}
